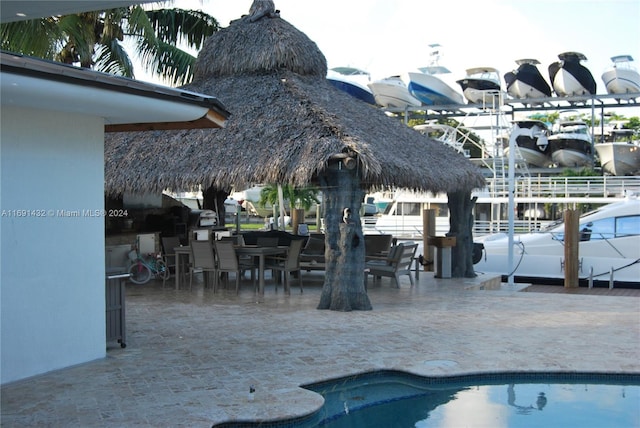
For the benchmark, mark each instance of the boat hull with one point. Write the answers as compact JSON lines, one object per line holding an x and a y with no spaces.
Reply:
{"x":354,"y":89}
{"x":570,"y":78}
{"x":527,"y":82}
{"x":570,"y":152}
{"x":533,"y":156}
{"x":619,"y":158}
{"x":480,"y":91}
{"x":602,"y":250}
{"x":430,"y":90}
{"x":565,"y":84}
{"x":621,"y":81}
{"x":393,"y":93}
{"x":534,"y":148}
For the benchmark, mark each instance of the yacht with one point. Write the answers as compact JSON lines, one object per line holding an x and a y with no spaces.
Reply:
{"x":569,"y":77}
{"x":353,"y":81}
{"x":482,"y":85}
{"x":534,"y":148}
{"x":430,"y":85}
{"x":621,"y":77}
{"x":609,"y":248}
{"x":527,"y":81}
{"x":620,"y":153}
{"x":571,"y":144}
{"x":392,"y":92}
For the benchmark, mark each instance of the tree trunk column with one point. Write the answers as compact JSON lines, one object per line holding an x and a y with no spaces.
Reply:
{"x":343,"y":288}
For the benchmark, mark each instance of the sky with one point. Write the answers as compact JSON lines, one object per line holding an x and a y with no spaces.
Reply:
{"x":390,"y":37}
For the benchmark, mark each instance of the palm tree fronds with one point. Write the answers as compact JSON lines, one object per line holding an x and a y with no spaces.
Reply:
{"x":168,"y":62}
{"x":112,"y":58}
{"x":38,"y":37}
{"x":81,"y":32}
{"x":139,"y":26}
{"x":177,"y":25}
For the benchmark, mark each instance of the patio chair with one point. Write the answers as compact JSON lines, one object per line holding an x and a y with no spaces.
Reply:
{"x":397,"y":263}
{"x":288,"y":264}
{"x":228,"y":261}
{"x":203,"y":260}
{"x":168,"y":253}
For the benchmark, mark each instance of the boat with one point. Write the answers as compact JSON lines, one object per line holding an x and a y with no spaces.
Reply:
{"x":392,"y":92}
{"x":430,"y":86}
{"x":481,"y":86}
{"x":444,"y":133}
{"x":620,"y":154}
{"x":527,"y":81}
{"x":571,"y":144}
{"x":534,"y":148}
{"x":621,"y":77}
{"x":353,"y":81}
{"x":609,"y":248}
{"x":569,"y":77}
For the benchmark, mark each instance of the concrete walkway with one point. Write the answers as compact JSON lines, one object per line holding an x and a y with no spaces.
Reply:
{"x":192,"y":355}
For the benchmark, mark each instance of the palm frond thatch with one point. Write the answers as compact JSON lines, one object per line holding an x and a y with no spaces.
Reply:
{"x":287,"y":122}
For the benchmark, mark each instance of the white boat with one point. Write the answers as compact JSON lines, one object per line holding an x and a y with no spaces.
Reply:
{"x":482,"y":86}
{"x":571,"y":144}
{"x":538,"y":202}
{"x":621,"y":77}
{"x":620,"y":155}
{"x":444,"y":133}
{"x":392,"y":92}
{"x":430,"y":86}
{"x":527,"y":81}
{"x":534,"y":148}
{"x":609,"y":248}
{"x":569,"y":77}
{"x":353,"y":81}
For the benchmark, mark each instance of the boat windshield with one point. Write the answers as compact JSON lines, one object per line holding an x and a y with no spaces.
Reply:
{"x":607,"y":228}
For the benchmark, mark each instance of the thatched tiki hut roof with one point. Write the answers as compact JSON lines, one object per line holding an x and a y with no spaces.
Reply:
{"x":286,"y":123}
{"x":289,"y":125}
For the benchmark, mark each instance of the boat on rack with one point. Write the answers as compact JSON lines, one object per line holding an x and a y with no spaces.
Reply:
{"x":569,"y":77}
{"x":392,"y":92}
{"x":430,"y":85}
{"x":353,"y":81}
{"x":620,"y":153}
{"x":609,"y":248}
{"x":482,"y":85}
{"x":621,"y":77}
{"x":534,"y":148}
{"x":527,"y":81}
{"x":571,"y":144}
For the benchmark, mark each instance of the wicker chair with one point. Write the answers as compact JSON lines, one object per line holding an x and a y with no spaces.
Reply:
{"x":288,"y":264}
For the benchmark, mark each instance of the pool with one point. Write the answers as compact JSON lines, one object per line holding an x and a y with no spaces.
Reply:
{"x":393,"y":399}
{"x":389,"y":399}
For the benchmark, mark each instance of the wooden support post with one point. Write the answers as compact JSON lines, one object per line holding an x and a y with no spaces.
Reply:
{"x":428,"y":229}
{"x":571,"y":245}
{"x":297,"y":217}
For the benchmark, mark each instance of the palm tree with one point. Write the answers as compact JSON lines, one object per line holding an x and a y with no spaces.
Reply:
{"x":297,"y":197}
{"x":95,"y":40}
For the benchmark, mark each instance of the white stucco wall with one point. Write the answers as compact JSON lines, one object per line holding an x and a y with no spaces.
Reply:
{"x":52,"y":278}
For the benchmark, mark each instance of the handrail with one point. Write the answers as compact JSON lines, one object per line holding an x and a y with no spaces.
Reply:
{"x":550,"y":187}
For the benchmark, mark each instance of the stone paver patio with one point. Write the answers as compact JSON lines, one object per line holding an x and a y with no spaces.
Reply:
{"x":192,"y":355}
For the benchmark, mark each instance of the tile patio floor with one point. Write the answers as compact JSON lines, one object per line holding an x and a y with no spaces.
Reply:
{"x":192,"y":355}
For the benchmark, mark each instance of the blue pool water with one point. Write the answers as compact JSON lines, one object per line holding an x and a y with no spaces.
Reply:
{"x":391,"y":400}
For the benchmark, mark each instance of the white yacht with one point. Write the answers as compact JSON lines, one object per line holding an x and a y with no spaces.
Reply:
{"x":621,"y":77}
{"x":609,"y":248}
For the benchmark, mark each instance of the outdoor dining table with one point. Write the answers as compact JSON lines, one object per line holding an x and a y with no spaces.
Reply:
{"x":260,"y":253}
{"x":180,"y":253}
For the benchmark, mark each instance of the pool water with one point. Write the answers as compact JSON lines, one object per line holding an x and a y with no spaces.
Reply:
{"x":393,"y":399}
